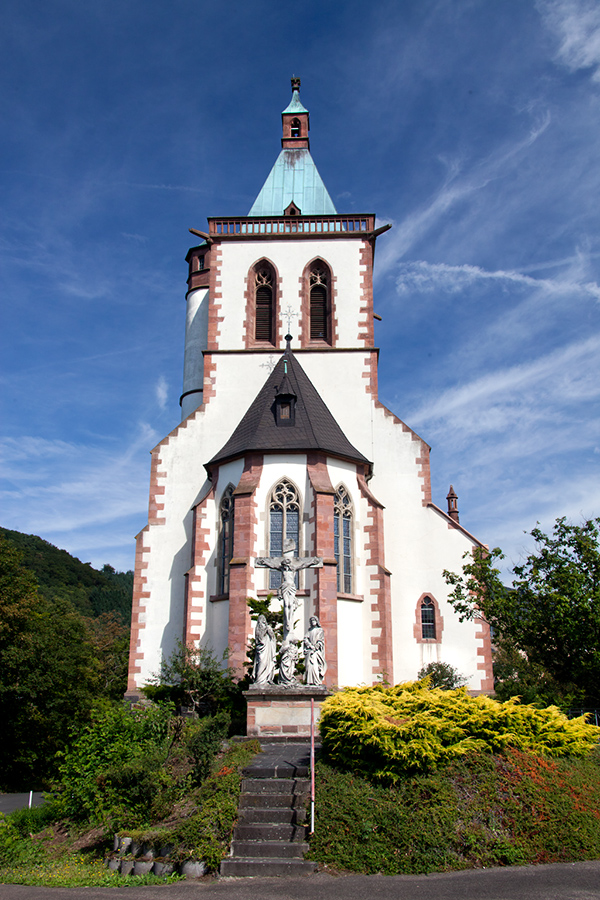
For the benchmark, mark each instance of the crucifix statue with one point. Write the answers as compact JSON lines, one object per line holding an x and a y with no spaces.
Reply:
{"x":288,"y":565}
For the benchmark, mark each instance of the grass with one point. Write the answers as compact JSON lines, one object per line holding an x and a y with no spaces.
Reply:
{"x":484,"y":810}
{"x":76,"y":871}
{"x":37,"y":850}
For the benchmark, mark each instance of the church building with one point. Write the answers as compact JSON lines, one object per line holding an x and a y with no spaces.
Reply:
{"x":283,"y":438}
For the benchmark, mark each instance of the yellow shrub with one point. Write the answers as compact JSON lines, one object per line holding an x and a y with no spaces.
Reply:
{"x":388,"y":731}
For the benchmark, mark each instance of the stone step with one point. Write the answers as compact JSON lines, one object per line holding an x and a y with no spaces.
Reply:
{"x":259,"y":849}
{"x":269,"y":833}
{"x":268,"y":801}
{"x":281,"y":816}
{"x":279,"y":771}
{"x":275,"y":785}
{"x":242,"y":867}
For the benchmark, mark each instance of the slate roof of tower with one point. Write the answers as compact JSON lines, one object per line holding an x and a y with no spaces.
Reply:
{"x":314,"y":427}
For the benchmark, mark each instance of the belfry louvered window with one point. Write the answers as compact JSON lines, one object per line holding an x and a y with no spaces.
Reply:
{"x":263,"y":288}
{"x":319,"y":303}
{"x":342,"y":538}
{"x":284,"y":522}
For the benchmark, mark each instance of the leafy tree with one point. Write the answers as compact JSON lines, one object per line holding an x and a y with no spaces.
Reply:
{"x":552,"y":611}
{"x":116,"y":767}
{"x":442,"y":675}
{"x":193,"y":677}
{"x":515,"y":675}
{"x":109,"y":639}
{"x":48,"y":675}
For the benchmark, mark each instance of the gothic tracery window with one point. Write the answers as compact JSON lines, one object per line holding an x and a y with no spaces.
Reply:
{"x":342,"y":535}
{"x":319,"y":285}
{"x":263,"y":293}
{"x":284,"y":522}
{"x":226,"y":512}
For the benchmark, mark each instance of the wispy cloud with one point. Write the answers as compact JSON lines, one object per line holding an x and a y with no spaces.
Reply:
{"x":570,"y":374}
{"x":423,"y":277}
{"x":162,"y":392}
{"x":65,"y":491}
{"x":576,"y":24}
{"x":458,"y":185}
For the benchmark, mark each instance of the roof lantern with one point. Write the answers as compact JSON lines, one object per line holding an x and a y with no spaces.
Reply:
{"x":294,"y":186}
{"x":295,"y":121}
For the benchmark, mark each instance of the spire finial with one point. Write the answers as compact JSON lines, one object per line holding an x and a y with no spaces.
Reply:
{"x":288,"y":342}
{"x":295,"y":83}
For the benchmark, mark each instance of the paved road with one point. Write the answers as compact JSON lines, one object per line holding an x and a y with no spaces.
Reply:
{"x":573,"y":881}
{"x":10,"y":802}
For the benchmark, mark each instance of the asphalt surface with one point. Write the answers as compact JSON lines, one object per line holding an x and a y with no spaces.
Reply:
{"x":10,"y":802}
{"x":570,"y":881}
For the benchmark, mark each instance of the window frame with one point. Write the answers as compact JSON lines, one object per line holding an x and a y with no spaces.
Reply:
{"x":289,"y":496}
{"x":318,"y":268}
{"x":262,"y":273}
{"x":226,"y":539}
{"x":343,"y":511}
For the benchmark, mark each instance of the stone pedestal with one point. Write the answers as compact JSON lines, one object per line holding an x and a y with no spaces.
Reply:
{"x":275,"y":710}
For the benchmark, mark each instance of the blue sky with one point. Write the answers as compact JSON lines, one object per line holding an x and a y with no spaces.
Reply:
{"x":471,"y":125}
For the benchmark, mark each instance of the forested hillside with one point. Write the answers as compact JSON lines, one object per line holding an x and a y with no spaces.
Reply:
{"x":64,"y":646}
{"x":60,"y":575}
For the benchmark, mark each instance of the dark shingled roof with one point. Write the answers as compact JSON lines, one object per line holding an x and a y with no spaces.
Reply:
{"x":314,"y":427}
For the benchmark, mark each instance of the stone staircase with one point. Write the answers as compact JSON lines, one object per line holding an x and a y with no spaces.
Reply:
{"x":270,"y":835}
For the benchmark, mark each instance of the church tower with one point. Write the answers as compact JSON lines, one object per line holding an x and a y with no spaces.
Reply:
{"x":283,"y":437}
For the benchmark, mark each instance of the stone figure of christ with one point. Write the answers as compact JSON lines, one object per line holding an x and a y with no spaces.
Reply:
{"x":288,"y":565}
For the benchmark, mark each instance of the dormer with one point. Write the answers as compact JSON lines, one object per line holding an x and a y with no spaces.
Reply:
{"x":295,"y":122}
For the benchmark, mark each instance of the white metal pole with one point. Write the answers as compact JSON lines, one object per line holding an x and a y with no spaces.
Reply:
{"x":30,"y":799}
{"x":312,"y":765}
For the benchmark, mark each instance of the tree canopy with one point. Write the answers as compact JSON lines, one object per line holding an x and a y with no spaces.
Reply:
{"x":54,"y":665}
{"x":552,"y":610}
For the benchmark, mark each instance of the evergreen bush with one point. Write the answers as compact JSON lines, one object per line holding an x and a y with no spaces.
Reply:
{"x":386,"y":732}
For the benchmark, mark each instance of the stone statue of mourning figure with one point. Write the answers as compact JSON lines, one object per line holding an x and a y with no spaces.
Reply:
{"x":314,"y":653}
{"x":314,"y":640}
{"x":265,"y":653}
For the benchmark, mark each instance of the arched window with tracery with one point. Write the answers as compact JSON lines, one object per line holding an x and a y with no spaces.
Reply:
{"x":428,"y":619}
{"x":319,"y":306}
{"x":226,"y":518}
{"x":342,"y":535}
{"x":284,"y":522}
{"x":264,"y":302}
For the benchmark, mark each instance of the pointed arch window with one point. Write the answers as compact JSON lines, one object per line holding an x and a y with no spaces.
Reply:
{"x":343,"y":521}
{"x":319,"y":286}
{"x":226,"y":519}
{"x":263,"y":292}
{"x":428,"y":619}
{"x":284,"y":522}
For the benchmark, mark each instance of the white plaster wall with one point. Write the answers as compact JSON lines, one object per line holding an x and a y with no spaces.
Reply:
{"x":419,"y":545}
{"x":290,"y":258}
{"x":217,"y":631}
{"x":418,"y":542}
{"x":351,"y":662}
